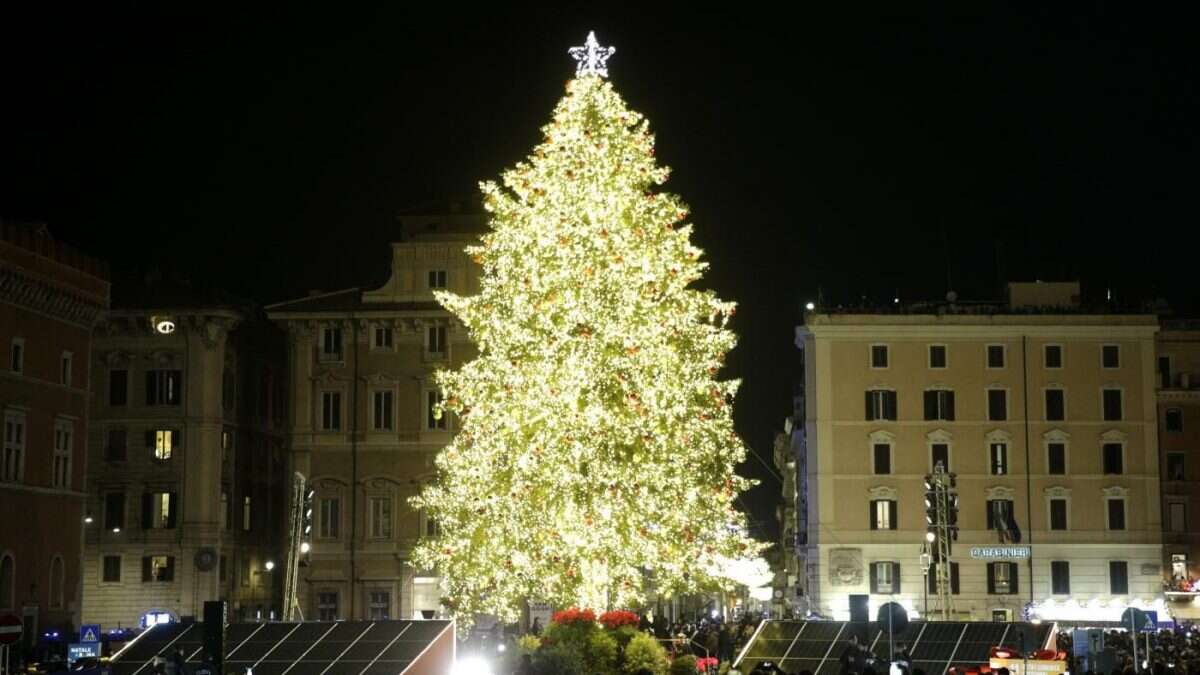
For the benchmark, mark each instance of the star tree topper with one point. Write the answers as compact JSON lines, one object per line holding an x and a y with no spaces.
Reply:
{"x":592,"y":58}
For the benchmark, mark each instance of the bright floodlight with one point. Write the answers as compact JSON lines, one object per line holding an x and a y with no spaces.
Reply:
{"x":304,"y":547}
{"x":929,"y":536}
{"x":270,"y":565}
{"x":810,"y":306}
{"x":471,"y":666}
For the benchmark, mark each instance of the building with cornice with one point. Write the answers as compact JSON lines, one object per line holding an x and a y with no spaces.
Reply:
{"x":50,"y":299}
{"x":362,"y":428}
{"x":1178,"y":380}
{"x":187,"y":472}
{"x":1044,"y":410}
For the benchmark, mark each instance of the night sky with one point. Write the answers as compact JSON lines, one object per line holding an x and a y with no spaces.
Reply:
{"x":865,"y":155}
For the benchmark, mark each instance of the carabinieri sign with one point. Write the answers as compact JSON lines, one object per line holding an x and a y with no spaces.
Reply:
{"x":999,"y":552}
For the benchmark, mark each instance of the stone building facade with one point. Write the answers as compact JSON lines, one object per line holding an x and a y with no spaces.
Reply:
{"x":50,"y":298}
{"x":362,"y":432}
{"x":1046,"y":413}
{"x":1178,"y":381}
{"x":187,"y":474}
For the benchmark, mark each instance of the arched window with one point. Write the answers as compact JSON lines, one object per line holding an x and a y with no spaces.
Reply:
{"x":57,"y":578}
{"x":8,"y":573}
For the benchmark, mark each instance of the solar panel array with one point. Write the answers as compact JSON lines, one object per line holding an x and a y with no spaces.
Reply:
{"x":817,"y":646}
{"x":308,"y":648}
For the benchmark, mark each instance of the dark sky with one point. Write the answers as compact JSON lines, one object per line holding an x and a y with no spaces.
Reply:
{"x":865,"y":154}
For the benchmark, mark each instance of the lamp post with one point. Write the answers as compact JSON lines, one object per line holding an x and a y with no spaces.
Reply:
{"x":925,"y":573}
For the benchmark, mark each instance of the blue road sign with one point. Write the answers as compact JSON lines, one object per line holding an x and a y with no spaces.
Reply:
{"x":1152,"y":624}
{"x":89,"y":632}
{"x":82,"y":650}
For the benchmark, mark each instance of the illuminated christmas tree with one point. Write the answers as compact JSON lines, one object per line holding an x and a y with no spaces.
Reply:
{"x":596,"y":449}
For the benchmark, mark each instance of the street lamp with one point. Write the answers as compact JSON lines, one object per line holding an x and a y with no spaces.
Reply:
{"x":925,"y":572}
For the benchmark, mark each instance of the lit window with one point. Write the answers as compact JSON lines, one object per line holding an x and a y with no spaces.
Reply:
{"x":158,"y":568}
{"x":158,"y":511}
{"x":164,"y":443}
{"x":885,"y":577}
{"x":883,"y":514}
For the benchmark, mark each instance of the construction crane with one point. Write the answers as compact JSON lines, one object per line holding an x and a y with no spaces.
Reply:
{"x":941,"y":520}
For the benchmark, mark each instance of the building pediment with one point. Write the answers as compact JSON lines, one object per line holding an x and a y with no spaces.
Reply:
{"x":939,"y":436}
{"x":1056,"y":436}
{"x":1114,"y":436}
{"x":999,"y":492}
{"x":882,"y":492}
{"x":1115,"y":491}
{"x":1058,"y":491}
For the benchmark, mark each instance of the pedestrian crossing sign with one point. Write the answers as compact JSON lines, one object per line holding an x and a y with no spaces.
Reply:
{"x":89,"y":632}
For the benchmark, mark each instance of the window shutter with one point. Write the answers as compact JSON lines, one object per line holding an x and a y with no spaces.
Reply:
{"x":150,"y":387}
{"x":874,"y":516}
{"x":146,"y":569}
{"x":1013,"y":587}
{"x":930,"y":405}
{"x":895,"y":577}
{"x":991,"y":520}
{"x":874,"y":578}
{"x":176,"y":440}
{"x":991,"y":577}
{"x":889,"y":405}
{"x":870,"y":411}
{"x":169,"y":572}
{"x":954,"y":578}
{"x":172,"y":509}
{"x":149,"y":438}
{"x":146,"y":510}
{"x":949,"y":405}
{"x":894,"y":513}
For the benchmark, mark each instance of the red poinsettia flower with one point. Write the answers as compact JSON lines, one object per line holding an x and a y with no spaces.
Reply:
{"x":617,"y":618}
{"x":573,"y":615}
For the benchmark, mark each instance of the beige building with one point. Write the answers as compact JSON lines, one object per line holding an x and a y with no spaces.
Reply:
{"x":1178,"y":381}
{"x":186,"y":472}
{"x":1047,"y":415}
{"x":362,"y":430}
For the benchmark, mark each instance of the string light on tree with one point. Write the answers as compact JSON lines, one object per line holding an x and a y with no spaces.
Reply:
{"x":592,"y":58}
{"x":596,"y":449}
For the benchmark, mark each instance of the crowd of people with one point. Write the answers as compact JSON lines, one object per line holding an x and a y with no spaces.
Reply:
{"x":1172,"y":651}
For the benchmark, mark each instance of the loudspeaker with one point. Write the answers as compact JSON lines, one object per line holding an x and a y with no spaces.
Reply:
{"x":214,"y":633}
{"x":860,"y":611}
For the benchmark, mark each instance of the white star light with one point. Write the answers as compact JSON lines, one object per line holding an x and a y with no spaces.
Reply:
{"x":592,"y":58}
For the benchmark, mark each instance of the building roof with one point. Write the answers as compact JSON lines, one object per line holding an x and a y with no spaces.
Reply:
{"x":348,"y":300}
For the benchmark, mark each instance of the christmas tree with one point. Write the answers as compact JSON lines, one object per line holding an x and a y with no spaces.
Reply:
{"x":596,"y":449}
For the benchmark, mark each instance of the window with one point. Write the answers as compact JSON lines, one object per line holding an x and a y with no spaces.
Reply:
{"x":64,"y":434}
{"x":431,"y":527}
{"x":1114,"y":463}
{"x":1060,"y":577}
{"x":937,"y":356}
{"x":1116,"y":513}
{"x":882,"y":458}
{"x":114,"y":511}
{"x":1112,"y":405}
{"x":13,"y":468}
{"x":434,"y":419}
{"x":881,"y":404}
{"x":226,"y":522}
{"x":885,"y":577}
{"x":1056,"y":459}
{"x":64,"y":368}
{"x":1056,"y":405}
{"x":244,"y":570}
{"x":437,"y":278}
{"x":57,"y":574}
{"x":1058,"y":514}
{"x":1110,"y":356}
{"x":112,"y":569}
{"x":1002,"y":578}
{"x":330,"y":512}
{"x":939,"y":404}
{"x":879,"y":356}
{"x":331,"y":410}
{"x":1164,"y":372}
{"x":117,"y":447}
{"x":246,"y":520}
{"x":997,"y":400}
{"x":1176,"y":517}
{"x":163,"y":443}
{"x":331,"y":343}
{"x":999,"y":512}
{"x":998,"y":459}
{"x":1118,"y":577}
{"x":118,"y":387}
{"x":381,"y":517}
{"x":164,"y":387}
{"x":933,"y":580}
{"x":883,"y":514}
{"x":1174,"y":419}
{"x":436,"y":341}
{"x":327,"y":606}
{"x":1053,"y":356}
{"x":379,"y":605}
{"x":939,"y":453}
{"x":382,"y":418}
{"x":8,"y":575}
{"x":158,"y":568}
{"x":1175,"y":466}
{"x":383,"y":337}
{"x":17,"y":362}
{"x":158,"y":510}
{"x":995,"y":356}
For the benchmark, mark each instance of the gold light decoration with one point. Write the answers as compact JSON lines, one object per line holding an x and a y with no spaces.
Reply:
{"x":596,"y":449}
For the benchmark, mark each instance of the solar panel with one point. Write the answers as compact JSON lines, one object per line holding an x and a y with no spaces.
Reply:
{"x":307,"y":648}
